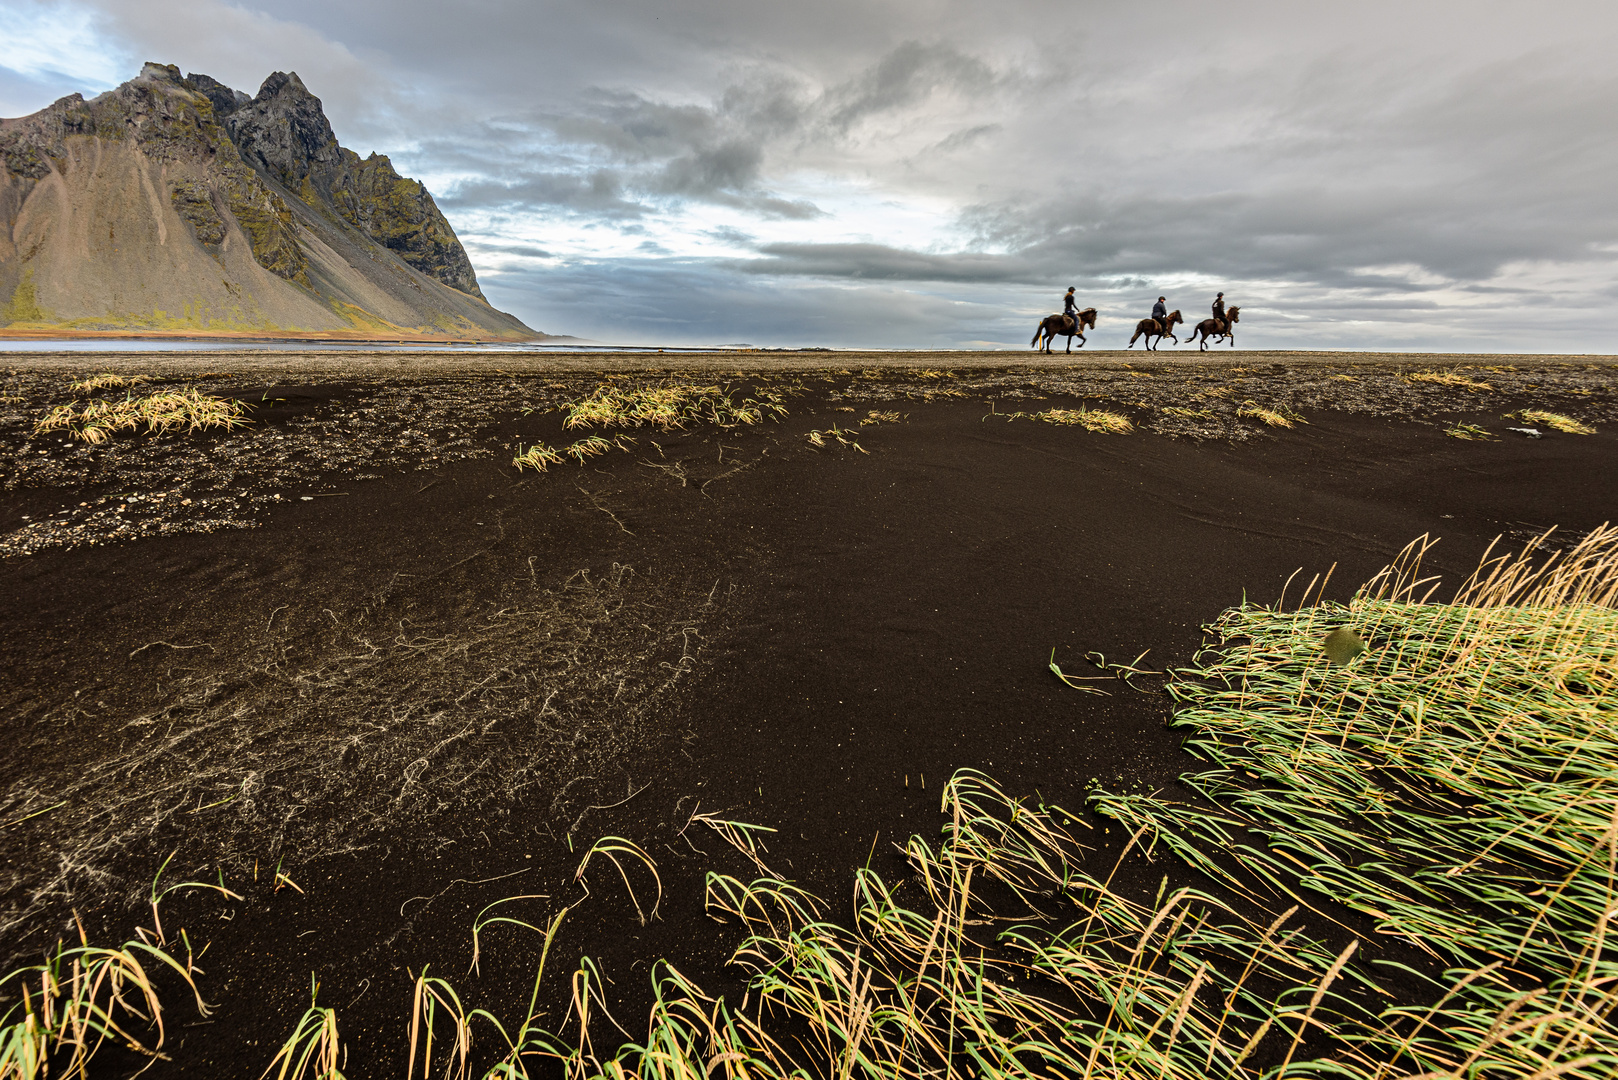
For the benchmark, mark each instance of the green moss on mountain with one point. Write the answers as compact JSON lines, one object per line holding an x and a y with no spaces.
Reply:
{"x":195,"y":206}
{"x":23,"y":307}
{"x":400,"y":214}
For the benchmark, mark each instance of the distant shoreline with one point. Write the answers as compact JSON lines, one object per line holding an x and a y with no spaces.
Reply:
{"x":310,"y":337}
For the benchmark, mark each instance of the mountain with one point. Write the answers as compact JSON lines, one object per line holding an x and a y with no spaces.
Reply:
{"x":175,"y":203}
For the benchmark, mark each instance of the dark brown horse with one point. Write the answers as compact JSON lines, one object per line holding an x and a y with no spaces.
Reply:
{"x":1157,"y":328}
{"x":1065,"y":324}
{"x":1218,"y":328}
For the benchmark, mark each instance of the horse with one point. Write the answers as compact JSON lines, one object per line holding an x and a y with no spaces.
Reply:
{"x":1157,"y":328}
{"x":1065,"y":324}
{"x":1218,"y":328}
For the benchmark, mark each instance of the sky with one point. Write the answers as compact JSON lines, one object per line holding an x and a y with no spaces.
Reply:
{"x":1420,"y":174}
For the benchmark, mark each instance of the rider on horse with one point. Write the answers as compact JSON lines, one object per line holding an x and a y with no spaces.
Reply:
{"x":1219,"y":311}
{"x":1070,"y":307}
{"x":1160,"y":311}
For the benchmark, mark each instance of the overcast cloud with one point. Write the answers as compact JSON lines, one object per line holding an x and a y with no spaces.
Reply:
{"x":928,"y":173}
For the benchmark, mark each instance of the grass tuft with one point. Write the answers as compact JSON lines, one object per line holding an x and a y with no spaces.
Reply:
{"x":106,"y":380}
{"x":670,"y":405}
{"x":1097,"y":420}
{"x":77,"y":1001}
{"x":95,"y":422}
{"x":1554,"y":421}
{"x":1470,"y":432}
{"x":1273,"y":417}
{"x":588,"y":448}
{"x":878,"y":416}
{"x":313,"y":1050}
{"x":821,"y":439}
{"x":538,"y":457}
{"x":1447,"y":378}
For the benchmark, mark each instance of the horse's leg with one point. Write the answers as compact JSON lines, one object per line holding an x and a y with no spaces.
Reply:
{"x":1232,"y":339}
{"x":1081,"y":341}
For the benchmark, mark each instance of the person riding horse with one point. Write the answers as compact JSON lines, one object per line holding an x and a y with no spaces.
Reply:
{"x":1160,"y":310}
{"x":1070,"y":307}
{"x":1219,"y":311}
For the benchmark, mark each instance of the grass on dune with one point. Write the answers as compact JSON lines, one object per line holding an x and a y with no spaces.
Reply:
{"x":1447,"y":378}
{"x":538,"y":457}
{"x":1452,"y":775}
{"x":668,"y":406}
{"x":1273,"y":417}
{"x":81,"y":998}
{"x":1469,"y":432}
{"x":96,"y":421}
{"x":1101,"y":421}
{"x":1554,"y":421}
{"x":91,"y":383}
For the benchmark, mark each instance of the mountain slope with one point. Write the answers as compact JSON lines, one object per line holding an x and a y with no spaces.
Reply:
{"x":175,"y":203}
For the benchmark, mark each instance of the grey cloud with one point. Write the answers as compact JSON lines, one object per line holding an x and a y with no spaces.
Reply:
{"x":904,"y":77}
{"x":599,"y":193}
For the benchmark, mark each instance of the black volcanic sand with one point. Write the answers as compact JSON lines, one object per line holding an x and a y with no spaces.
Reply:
{"x":420,"y":693}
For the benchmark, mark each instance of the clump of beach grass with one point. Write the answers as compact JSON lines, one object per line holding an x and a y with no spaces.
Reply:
{"x":1447,"y":378}
{"x":1008,"y":957}
{"x":1470,"y":432}
{"x":1455,"y":780}
{"x":1273,"y":417}
{"x":106,"y":380}
{"x":79,"y":999}
{"x":669,"y":406}
{"x":881,"y":416}
{"x":538,"y":457}
{"x":1102,"y":421}
{"x":313,"y":1050}
{"x":843,"y":437}
{"x":589,"y":447}
{"x":1552,"y":420}
{"x":96,"y":421}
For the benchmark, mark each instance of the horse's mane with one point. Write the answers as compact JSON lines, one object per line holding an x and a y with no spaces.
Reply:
{"x":1233,"y":312}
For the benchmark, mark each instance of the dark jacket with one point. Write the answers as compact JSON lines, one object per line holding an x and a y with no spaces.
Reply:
{"x":1160,"y":310}
{"x":1219,"y":310}
{"x":1069,"y":306}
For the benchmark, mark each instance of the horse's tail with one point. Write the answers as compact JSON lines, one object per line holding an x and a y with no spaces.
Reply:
{"x":1037,"y":332}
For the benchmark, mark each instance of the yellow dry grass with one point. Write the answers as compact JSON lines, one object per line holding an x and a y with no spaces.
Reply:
{"x":95,"y":422}
{"x":1554,"y":421}
{"x":1470,"y":432}
{"x":538,"y":457}
{"x":1273,"y":417}
{"x":1097,"y":420}
{"x":106,"y":380}
{"x":1447,"y":378}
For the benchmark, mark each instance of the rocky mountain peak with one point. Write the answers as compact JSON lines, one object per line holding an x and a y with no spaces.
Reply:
{"x":225,"y":100}
{"x":153,"y":71}
{"x":284,"y":130}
